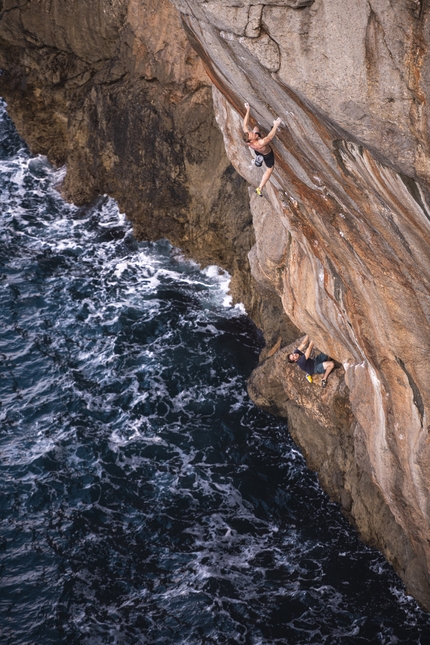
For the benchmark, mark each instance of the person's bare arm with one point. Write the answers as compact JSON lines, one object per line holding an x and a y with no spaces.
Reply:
{"x":246,"y":119}
{"x":304,"y":343}
{"x":309,"y":349}
{"x":276,"y":123}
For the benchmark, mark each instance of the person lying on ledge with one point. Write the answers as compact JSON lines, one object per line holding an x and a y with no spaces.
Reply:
{"x":321,"y":364}
{"x":261,"y":147}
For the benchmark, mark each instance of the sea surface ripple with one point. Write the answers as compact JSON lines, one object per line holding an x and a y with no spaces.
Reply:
{"x":145,"y":500}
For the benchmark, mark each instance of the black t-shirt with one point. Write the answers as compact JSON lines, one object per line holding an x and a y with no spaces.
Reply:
{"x":307,"y":365}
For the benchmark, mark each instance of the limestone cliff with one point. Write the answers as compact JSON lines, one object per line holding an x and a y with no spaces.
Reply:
{"x":342,"y":236}
{"x":345,"y":240}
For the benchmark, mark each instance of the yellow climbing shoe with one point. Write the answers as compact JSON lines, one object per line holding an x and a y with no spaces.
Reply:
{"x":309,"y":378}
{"x":259,"y":191}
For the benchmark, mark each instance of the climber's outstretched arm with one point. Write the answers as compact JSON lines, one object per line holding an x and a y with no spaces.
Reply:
{"x":303,"y":343}
{"x":246,"y":119}
{"x":276,"y":123}
{"x":309,"y":349}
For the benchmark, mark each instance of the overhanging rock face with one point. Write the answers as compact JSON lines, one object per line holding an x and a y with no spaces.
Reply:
{"x":344,"y":237}
{"x":341,"y":238}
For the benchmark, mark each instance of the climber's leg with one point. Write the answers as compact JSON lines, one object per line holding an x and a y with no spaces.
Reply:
{"x":264,"y":180}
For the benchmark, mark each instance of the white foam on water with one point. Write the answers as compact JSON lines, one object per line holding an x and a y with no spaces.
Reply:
{"x":120,"y":268}
{"x":223,"y":280}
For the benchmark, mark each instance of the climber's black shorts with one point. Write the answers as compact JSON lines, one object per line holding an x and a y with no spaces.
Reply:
{"x":319,"y":363}
{"x":269,"y":159}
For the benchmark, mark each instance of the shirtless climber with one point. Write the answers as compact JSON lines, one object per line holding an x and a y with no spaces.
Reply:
{"x":261,"y":146}
{"x":319,"y":365}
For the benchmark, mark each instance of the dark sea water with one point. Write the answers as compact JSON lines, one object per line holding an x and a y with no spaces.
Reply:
{"x":144,"y":499}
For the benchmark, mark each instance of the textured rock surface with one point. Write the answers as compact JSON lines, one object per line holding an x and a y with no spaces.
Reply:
{"x":346,"y":242}
{"x":334,"y":444}
{"x":343,"y":236}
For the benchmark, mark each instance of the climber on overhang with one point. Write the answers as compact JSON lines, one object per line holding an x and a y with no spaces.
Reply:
{"x":261,"y":147}
{"x":321,"y":364}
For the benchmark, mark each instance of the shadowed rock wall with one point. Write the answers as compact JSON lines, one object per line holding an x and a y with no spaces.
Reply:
{"x":119,"y":95}
{"x":342,"y":236}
